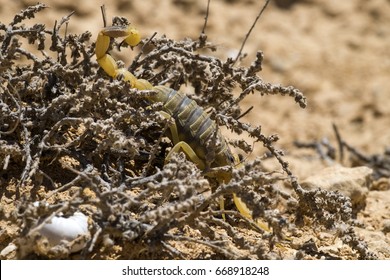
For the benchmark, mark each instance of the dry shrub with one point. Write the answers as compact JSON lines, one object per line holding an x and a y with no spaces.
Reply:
{"x":73,"y":137}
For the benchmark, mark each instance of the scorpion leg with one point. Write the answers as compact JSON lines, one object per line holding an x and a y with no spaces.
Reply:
{"x":181,"y":145}
{"x":188,"y":151}
{"x":247,"y":213}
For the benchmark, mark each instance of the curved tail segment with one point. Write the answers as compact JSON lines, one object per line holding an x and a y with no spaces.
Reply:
{"x":108,"y":63}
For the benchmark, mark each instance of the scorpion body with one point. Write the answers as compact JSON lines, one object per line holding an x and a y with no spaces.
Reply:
{"x":193,"y":127}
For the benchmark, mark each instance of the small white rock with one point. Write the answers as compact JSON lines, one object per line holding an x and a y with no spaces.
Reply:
{"x":61,"y":229}
{"x":11,"y":247}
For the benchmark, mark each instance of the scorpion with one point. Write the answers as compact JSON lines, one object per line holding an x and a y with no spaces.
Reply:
{"x":192,"y":127}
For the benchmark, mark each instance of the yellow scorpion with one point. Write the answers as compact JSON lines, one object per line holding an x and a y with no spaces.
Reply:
{"x":192,"y":127}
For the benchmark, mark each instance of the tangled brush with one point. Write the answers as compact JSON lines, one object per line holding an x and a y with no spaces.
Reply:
{"x":79,"y":141}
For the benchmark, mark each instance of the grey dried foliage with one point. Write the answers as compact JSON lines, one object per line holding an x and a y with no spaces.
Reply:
{"x":328,"y":151}
{"x":73,"y":137}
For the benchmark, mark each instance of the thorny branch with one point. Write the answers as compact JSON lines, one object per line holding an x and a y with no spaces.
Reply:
{"x":250,"y":31}
{"x":379,"y":163}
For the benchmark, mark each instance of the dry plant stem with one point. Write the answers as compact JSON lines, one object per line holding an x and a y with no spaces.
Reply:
{"x":323,"y":148}
{"x":132,"y":67}
{"x":18,"y":107}
{"x":155,"y":149}
{"x":266,"y":88}
{"x":79,"y":178}
{"x":175,"y":253}
{"x":27,"y":150}
{"x":340,"y":143}
{"x":27,"y":13}
{"x":206,"y":18}
{"x":348,"y":236}
{"x":103,"y":10}
{"x":380,"y":163}
{"x":250,"y":31}
{"x":94,"y":239}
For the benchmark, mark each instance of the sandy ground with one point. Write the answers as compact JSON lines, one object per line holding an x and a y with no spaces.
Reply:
{"x":335,"y":52}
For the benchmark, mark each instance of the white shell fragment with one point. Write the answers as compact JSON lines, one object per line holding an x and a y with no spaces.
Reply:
{"x":61,"y":229}
{"x":11,"y":248}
